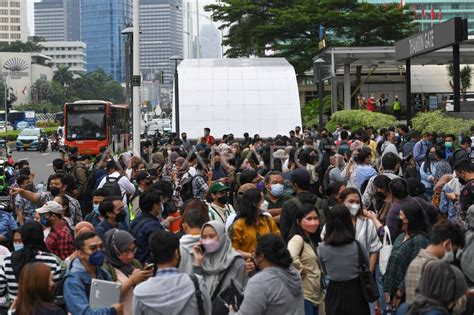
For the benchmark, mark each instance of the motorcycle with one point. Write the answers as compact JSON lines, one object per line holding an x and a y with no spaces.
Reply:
{"x":43,"y":145}
{"x":55,"y":144}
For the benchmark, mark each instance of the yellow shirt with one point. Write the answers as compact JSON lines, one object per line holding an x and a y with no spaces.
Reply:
{"x":244,"y":237}
{"x":373,"y":148}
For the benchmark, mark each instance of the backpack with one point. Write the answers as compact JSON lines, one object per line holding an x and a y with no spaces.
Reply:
{"x":87,"y":193}
{"x":326,"y":178}
{"x":186,"y":191}
{"x":343,"y":147}
{"x":320,"y":204}
{"x":112,"y":186}
{"x":467,"y":259}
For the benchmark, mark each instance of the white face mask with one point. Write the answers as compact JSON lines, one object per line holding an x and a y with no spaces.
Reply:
{"x":353,"y":208}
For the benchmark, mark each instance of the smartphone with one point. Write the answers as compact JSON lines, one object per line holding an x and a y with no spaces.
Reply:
{"x":203,"y":249}
{"x":150,"y":267}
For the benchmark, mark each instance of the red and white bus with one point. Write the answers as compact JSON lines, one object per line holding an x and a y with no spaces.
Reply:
{"x":90,"y":125}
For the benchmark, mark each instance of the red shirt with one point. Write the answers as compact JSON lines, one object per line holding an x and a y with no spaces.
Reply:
{"x":371,"y":104}
{"x":209,"y":140}
{"x":60,"y":242}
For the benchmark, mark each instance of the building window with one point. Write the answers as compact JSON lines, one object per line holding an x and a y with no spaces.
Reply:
{"x":15,"y":28}
{"x":4,"y":35}
{"x":3,"y":4}
{"x":15,"y":4}
{"x":14,"y":12}
{"x":4,"y":12}
{"x":15,"y":36}
{"x":12,"y":20}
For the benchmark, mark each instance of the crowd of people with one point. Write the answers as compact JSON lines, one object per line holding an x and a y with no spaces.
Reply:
{"x":350,"y":222}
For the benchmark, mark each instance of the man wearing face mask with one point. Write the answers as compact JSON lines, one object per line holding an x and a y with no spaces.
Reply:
{"x":420,"y":148}
{"x":25,"y":209}
{"x":445,"y":239}
{"x":97,"y":198}
{"x":114,"y":215}
{"x":143,"y":181}
{"x":463,"y":152}
{"x":274,"y":194}
{"x":219,"y":208}
{"x":80,"y":275}
{"x":146,"y":223}
{"x":207,"y":138}
{"x":59,"y":241}
{"x":58,"y":186}
{"x":465,"y":172}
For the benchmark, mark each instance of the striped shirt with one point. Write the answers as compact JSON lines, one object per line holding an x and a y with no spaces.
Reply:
{"x":8,"y":282}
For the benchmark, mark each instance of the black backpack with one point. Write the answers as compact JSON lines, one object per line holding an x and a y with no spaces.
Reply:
{"x":112,"y":186}
{"x":186,"y":191}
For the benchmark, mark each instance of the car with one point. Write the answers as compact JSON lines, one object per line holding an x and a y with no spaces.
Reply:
{"x":2,"y":126}
{"x":449,"y":103}
{"x":29,"y":138}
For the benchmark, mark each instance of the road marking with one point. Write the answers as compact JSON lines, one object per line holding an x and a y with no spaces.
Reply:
{"x":45,"y":154}
{"x":50,"y":164}
{"x":22,"y":159}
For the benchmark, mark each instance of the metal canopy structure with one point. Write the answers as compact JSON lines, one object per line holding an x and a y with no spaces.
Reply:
{"x":386,"y":58}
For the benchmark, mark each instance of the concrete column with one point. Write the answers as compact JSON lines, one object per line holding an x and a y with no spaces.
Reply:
{"x":347,"y":86}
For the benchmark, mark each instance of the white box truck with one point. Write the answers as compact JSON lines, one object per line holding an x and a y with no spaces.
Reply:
{"x":256,"y":95}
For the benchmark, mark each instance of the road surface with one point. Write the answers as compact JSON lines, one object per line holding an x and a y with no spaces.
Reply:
{"x":40,"y":163}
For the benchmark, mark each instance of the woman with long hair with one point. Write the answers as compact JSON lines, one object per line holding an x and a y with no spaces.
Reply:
{"x":36,"y":292}
{"x":339,"y":258}
{"x":120,"y":262}
{"x":277,"y":287}
{"x":427,"y":171}
{"x":66,"y":211}
{"x":251,"y":224}
{"x":414,"y":236}
{"x":303,"y":246}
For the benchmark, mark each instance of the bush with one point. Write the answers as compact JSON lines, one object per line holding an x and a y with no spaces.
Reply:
{"x":13,"y":134}
{"x":439,"y":122}
{"x":361,"y":118}
{"x":46,"y":124}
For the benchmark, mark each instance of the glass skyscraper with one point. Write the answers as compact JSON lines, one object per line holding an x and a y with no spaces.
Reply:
{"x":446,"y":8}
{"x":102,"y":23}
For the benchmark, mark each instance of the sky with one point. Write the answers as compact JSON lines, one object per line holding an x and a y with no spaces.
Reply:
{"x":31,"y":15}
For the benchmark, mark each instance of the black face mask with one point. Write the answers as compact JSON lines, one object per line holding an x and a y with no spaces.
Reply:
{"x":462,"y":181}
{"x":121,"y":216}
{"x":54,"y":191}
{"x":217,"y":164}
{"x":380,"y":195}
{"x":223,"y":199}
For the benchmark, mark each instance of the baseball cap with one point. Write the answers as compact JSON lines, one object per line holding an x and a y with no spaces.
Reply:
{"x":141,"y":176}
{"x":50,"y":206}
{"x":218,"y":186}
{"x":300,"y":177}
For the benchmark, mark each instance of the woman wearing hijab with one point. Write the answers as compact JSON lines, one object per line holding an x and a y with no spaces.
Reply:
{"x":218,"y":258}
{"x":34,"y":250}
{"x":441,"y":290}
{"x":120,"y":262}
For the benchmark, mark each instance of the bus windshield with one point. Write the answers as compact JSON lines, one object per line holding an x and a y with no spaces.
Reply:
{"x":85,"y":122}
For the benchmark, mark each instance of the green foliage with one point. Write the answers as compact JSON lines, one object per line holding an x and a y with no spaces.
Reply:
{"x":361,"y":118}
{"x":63,"y":76}
{"x":291,"y":28}
{"x":19,"y":46}
{"x":439,"y":122}
{"x":13,"y":134}
{"x":465,"y":76}
{"x":310,"y":111}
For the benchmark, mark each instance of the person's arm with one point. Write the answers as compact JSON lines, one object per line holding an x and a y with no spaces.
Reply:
{"x":295,"y":247}
{"x":373,"y":259}
{"x":31,"y":196}
{"x":137,"y":276}
{"x":255,"y":299}
{"x":127,"y":185}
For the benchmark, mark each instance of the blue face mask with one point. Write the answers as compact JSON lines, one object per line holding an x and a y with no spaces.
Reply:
{"x":18,"y":247}
{"x":277,"y":190}
{"x":97,"y":258}
{"x":44,"y":221}
{"x":96,"y":208}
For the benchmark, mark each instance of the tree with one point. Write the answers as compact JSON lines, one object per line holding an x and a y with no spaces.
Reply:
{"x":290,"y":29}
{"x":41,"y":91}
{"x":465,"y":76}
{"x":63,"y":75}
{"x":19,"y":46}
{"x":310,"y":110}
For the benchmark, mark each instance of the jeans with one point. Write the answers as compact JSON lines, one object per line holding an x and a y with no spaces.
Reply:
{"x":310,"y":309}
{"x":379,"y":281}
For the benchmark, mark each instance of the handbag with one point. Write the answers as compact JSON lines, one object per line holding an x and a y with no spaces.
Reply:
{"x":385,"y":251}
{"x":231,"y":293}
{"x":367,"y":281}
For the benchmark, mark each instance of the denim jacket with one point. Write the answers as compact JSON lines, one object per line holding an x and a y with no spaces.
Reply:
{"x":77,"y":286}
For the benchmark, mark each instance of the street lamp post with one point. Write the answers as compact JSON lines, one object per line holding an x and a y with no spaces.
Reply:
{"x":136,"y":75}
{"x":176,"y":93}
{"x":317,"y":67}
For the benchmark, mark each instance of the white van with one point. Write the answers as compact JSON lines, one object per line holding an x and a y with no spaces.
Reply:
{"x":450,"y":101}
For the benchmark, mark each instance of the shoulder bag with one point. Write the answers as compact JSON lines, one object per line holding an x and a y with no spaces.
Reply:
{"x":230,"y":293}
{"x":367,"y":281}
{"x":385,"y":251}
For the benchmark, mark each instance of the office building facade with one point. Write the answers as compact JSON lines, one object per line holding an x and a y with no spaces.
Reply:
{"x":58,"y":20}
{"x":13,"y":21}
{"x":161,"y":25}
{"x":70,"y":54}
{"x":101,"y":25}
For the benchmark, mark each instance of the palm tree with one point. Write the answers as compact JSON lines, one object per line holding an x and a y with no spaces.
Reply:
{"x":41,"y":90}
{"x":63,"y":75}
{"x":465,"y":76}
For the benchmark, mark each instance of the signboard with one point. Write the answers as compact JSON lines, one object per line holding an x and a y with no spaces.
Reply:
{"x":433,"y":101}
{"x":136,"y":80}
{"x":439,"y":36}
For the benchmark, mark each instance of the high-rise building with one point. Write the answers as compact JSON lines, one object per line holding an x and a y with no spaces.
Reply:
{"x":101,"y":25}
{"x":210,"y":42}
{"x":71,"y":54}
{"x":13,"y":21}
{"x":430,"y":12}
{"x":58,"y":20}
{"x":161,"y":26}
